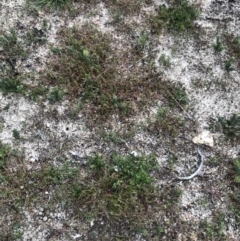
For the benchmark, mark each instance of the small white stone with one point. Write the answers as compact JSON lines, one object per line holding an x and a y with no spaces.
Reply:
{"x":45,"y":219}
{"x":205,"y":138}
{"x":92,"y":222}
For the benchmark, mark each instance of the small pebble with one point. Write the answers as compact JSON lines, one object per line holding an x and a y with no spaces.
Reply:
{"x":45,"y":219}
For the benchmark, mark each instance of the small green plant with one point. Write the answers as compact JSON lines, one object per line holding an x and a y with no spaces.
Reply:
{"x":179,"y":16}
{"x":114,"y":137}
{"x":4,"y":153}
{"x":9,"y":40}
{"x":74,"y":110}
{"x":35,"y":36}
{"x":56,"y":94}
{"x":166,"y":123}
{"x":16,"y":134}
{"x":237,"y":170}
{"x":96,"y":162}
{"x":45,"y":25}
{"x":142,"y":39}
{"x":177,"y":95}
{"x":36,"y":92}
{"x":12,"y":50}
{"x":7,"y":106}
{"x":228,"y":65}
{"x":52,"y":4}
{"x":229,"y":126}
{"x":234,"y":174}
{"x":9,"y":85}
{"x":218,"y":45}
{"x":215,"y":227}
{"x":164,"y":60}
{"x":236,"y":44}
{"x":233,"y":43}
{"x":11,"y":45}
{"x":172,"y":160}
{"x":117,"y":15}
{"x":17,"y":233}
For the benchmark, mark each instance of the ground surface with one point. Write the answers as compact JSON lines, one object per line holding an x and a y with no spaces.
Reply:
{"x":159,"y":88}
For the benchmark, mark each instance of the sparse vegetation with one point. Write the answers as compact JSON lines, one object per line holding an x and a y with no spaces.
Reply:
{"x":15,"y":85}
{"x":16,"y":134}
{"x":228,"y":126}
{"x":166,"y":123}
{"x":86,"y":66}
{"x":164,"y":60}
{"x":228,"y":66}
{"x":107,"y":121}
{"x":233,"y":43}
{"x":177,"y":95}
{"x":142,"y":39}
{"x":179,"y":16}
{"x":119,"y":187}
{"x":234,"y":175}
{"x":52,"y":4}
{"x":218,"y":45}
{"x":215,"y":228}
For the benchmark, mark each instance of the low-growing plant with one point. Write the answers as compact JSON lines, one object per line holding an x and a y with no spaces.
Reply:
{"x":4,"y":153}
{"x":52,"y":4}
{"x":215,"y":227}
{"x":141,"y":41}
{"x":233,"y":44}
{"x":119,"y":187}
{"x":56,"y":94}
{"x":166,"y":123}
{"x":74,"y":110}
{"x":117,"y":15}
{"x":11,"y":44}
{"x":176,"y":95}
{"x":237,"y":170}
{"x":82,"y":66}
{"x":12,"y":51}
{"x":7,"y":106}
{"x":228,"y":65}
{"x":16,"y":134}
{"x":112,"y":136}
{"x":38,"y":91}
{"x":164,"y":60}
{"x":228,"y":126}
{"x":35,"y":36}
{"x":218,"y":45}
{"x":234,"y":176}
{"x":179,"y":16}
{"x":12,"y":85}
